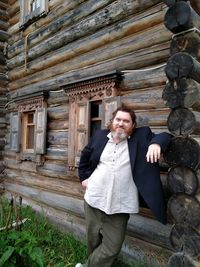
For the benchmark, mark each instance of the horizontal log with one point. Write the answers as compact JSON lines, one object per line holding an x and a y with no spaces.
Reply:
{"x":62,"y":15}
{"x":57,"y":125}
{"x":184,"y":209}
{"x":56,"y":186}
{"x":61,"y":202}
{"x":185,"y":238}
{"x":187,"y":42}
{"x":182,"y":121}
{"x":182,"y":65}
{"x":181,"y":17}
{"x":180,"y":150}
{"x":140,"y":59}
{"x":149,"y":230}
{"x":151,"y":117}
{"x":143,"y":78}
{"x":56,"y":153}
{"x":108,"y":15}
{"x":181,"y":259}
{"x":57,"y":98}
{"x":182,"y":179}
{"x":182,"y":93}
{"x":57,"y":137}
{"x":58,"y":112}
{"x":96,"y":40}
{"x":148,"y":98}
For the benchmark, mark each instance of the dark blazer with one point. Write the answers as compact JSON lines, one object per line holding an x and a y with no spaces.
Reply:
{"x":146,"y":175}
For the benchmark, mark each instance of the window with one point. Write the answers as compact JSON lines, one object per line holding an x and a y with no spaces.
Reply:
{"x":91,"y":103}
{"x":28,"y":129}
{"x":30,"y":10}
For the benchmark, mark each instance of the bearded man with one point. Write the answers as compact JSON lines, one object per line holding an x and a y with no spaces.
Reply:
{"x":118,"y":168}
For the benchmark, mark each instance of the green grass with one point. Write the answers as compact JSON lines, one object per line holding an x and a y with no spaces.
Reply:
{"x":40,"y":244}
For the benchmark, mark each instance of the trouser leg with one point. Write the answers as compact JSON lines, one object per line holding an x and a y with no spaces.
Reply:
{"x":105,"y":236}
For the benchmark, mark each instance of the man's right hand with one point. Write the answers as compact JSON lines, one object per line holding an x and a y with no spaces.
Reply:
{"x":85,"y":183}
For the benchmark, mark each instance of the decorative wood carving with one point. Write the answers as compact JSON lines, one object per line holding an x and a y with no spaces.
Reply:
{"x":31,"y":105}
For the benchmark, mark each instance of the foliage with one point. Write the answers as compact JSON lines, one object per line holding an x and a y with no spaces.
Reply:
{"x":40,"y":244}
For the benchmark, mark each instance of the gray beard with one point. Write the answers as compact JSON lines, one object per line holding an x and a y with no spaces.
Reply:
{"x":120,"y":136}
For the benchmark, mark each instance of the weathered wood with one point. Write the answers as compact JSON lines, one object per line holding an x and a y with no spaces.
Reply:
{"x":143,"y":78}
{"x":61,"y":202}
{"x":56,"y":186}
{"x":188,"y":42}
{"x":181,"y":17}
{"x":182,"y":93}
{"x":58,"y":112}
{"x":182,"y":179}
{"x":180,"y":259}
{"x":180,"y":150}
{"x":108,"y":15}
{"x":185,"y":238}
{"x":142,"y":58}
{"x":151,"y":117}
{"x":182,"y":121}
{"x":57,"y":137}
{"x":101,"y":38}
{"x":148,"y":98}
{"x":182,"y":65}
{"x":184,"y":209}
{"x":149,"y":230}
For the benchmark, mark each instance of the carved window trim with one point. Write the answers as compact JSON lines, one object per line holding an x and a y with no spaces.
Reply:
{"x":81,"y":94}
{"x":19,"y":128}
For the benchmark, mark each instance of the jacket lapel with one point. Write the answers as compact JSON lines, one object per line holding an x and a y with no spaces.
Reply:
{"x":132,"y":147}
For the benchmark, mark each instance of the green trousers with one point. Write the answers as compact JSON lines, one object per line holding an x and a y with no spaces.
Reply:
{"x":105,"y":235}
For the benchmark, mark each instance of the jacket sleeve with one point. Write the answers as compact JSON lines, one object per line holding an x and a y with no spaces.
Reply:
{"x":163,"y":139}
{"x":84,"y":169}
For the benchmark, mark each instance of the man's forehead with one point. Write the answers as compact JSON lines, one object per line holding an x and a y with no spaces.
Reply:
{"x":123,"y":114}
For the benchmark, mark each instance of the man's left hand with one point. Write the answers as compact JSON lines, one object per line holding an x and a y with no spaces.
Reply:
{"x":153,"y":153}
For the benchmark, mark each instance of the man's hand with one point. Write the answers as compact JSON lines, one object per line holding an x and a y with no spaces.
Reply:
{"x":153,"y":153}
{"x":85,"y":183}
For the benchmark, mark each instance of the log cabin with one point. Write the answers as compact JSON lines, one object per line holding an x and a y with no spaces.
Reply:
{"x":65,"y":66}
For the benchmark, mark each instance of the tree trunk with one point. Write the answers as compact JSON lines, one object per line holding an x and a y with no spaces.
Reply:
{"x":180,"y":150}
{"x":181,"y":17}
{"x":182,"y":179}
{"x":182,"y":93}
{"x":182,"y":65}
{"x":186,"y":239}
{"x":180,"y":259}
{"x":184,"y":209}
{"x":188,"y":42}
{"x":182,"y":121}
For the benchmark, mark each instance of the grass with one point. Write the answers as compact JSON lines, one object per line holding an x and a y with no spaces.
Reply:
{"x":39,"y":243}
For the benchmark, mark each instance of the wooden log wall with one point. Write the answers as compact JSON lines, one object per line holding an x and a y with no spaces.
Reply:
{"x":77,"y":40}
{"x":181,"y":94}
{"x":3,"y":83}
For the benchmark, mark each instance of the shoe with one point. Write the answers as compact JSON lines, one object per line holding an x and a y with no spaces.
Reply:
{"x":79,"y":265}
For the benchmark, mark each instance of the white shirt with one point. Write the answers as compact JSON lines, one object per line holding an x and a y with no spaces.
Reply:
{"x":111,"y":187}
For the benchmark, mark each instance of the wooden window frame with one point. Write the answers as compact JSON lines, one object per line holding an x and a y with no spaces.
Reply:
{"x":102,"y":88}
{"x":27,"y":16}
{"x":19,"y":125}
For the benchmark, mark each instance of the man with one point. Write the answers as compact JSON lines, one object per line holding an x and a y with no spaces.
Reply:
{"x":117,"y":168}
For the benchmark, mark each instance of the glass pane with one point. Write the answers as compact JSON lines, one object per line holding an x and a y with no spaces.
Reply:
{"x":96,"y":109}
{"x":30,"y":118}
{"x":30,"y":137}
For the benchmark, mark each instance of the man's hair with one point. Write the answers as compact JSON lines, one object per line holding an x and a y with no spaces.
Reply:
{"x":127,"y":109}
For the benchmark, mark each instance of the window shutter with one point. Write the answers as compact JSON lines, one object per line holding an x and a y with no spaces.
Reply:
{"x":40,"y":130}
{"x":82,"y":130}
{"x":109,"y":106}
{"x":15,"y":131}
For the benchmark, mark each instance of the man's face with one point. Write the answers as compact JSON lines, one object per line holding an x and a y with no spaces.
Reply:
{"x":122,"y":125}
